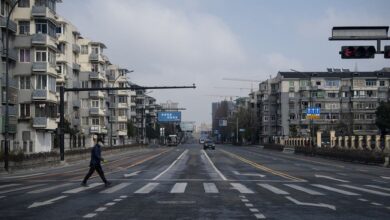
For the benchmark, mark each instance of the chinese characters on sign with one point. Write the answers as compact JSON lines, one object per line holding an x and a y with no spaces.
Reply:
{"x":313,"y":113}
{"x":169,"y":116}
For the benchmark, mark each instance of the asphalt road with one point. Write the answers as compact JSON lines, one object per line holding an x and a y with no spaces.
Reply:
{"x":186,"y":182}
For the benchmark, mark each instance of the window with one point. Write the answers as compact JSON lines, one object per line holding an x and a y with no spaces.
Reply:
{"x":332,"y":83}
{"x":370,"y":82}
{"x":291,"y":83}
{"x":95,"y":121}
{"x":292,"y":116}
{"x":84,"y":121}
{"x":122,"y":99}
{"x":332,"y":95}
{"x":318,"y":83}
{"x":47,"y":3}
{"x":24,"y":27}
{"x":273,"y":117}
{"x":24,"y":82}
{"x":291,"y":94}
{"x":45,"y":27}
{"x":122,"y":126}
{"x":84,"y":84}
{"x":24,"y":4}
{"x":84,"y":49}
{"x":41,"y":82}
{"x":121,"y":112}
{"x":59,"y":69}
{"x":291,"y":105}
{"x":40,"y":55}
{"x":122,"y":85}
{"x":382,"y":83}
{"x":24,"y":55}
{"x":95,"y":50}
{"x":95,"y":67}
{"x":52,"y":84}
{"x":52,"y":58}
{"x":61,"y":48}
{"x":95,"y":103}
{"x":303,"y":83}
{"x":84,"y":103}
{"x":25,"y":111}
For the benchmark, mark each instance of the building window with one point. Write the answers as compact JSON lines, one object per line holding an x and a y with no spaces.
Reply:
{"x":291,"y":105}
{"x":52,"y":84}
{"x":265,"y":118}
{"x":41,"y":82}
{"x":84,"y":121}
{"x":59,"y":69}
{"x":382,"y":83}
{"x":95,"y":50}
{"x":318,"y":83}
{"x":122,"y":126}
{"x":24,"y":27}
{"x":40,"y":56}
{"x":332,"y":95}
{"x":291,"y":94}
{"x":84,"y":84}
{"x":24,"y":55}
{"x":332,"y":83}
{"x":95,"y":121}
{"x":24,"y":82}
{"x":84,"y":103}
{"x":291,"y":83}
{"x":122,"y":99}
{"x":24,"y":4}
{"x":45,"y":27}
{"x":25,"y":111}
{"x":95,"y":103}
{"x":51,"y":4}
{"x":95,"y":67}
{"x":84,"y":49}
{"x":370,"y":82}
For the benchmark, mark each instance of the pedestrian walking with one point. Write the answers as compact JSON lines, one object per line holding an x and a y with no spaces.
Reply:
{"x":95,"y":163}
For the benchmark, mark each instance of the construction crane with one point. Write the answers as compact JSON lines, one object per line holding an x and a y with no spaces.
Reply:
{"x":244,"y":80}
{"x":222,"y":87}
{"x":224,"y":96}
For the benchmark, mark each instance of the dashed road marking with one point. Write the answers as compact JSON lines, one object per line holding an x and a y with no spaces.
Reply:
{"x":179,"y":188}
{"x":241,"y":188}
{"x":344,"y":192}
{"x":273,"y":189}
{"x":50,"y":188}
{"x":101,"y":209}
{"x":377,"y":204}
{"x":379,"y":187}
{"x":210,"y":188}
{"x":303,"y":189}
{"x":83,"y":188}
{"x":365,"y":190}
{"x":259,"y":216}
{"x":248,"y":204}
{"x":115,"y":188}
{"x":90,"y":215}
{"x":253,"y":210}
{"x":8,"y":185}
{"x":363,"y":200}
{"x":110,"y":203}
{"x":147,"y":188}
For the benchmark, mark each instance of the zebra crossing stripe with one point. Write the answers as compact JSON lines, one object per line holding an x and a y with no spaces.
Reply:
{"x":115,"y":188}
{"x":21,"y":188}
{"x":241,"y":188}
{"x":344,"y":192}
{"x":49,"y":188}
{"x":83,"y":188}
{"x":8,"y":185}
{"x":379,"y":187}
{"x":210,"y":188}
{"x":303,"y":189}
{"x":365,"y":190}
{"x":147,"y":188}
{"x":273,"y":189}
{"x":179,"y":188}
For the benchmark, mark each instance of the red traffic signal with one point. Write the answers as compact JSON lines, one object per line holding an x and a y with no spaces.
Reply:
{"x":357,"y":52}
{"x":387,"y":52}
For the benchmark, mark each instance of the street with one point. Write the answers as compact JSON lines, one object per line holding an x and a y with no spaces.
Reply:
{"x":186,"y":182}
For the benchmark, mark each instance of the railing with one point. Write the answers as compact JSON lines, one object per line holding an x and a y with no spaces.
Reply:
{"x":39,"y":94}
{"x":12,"y":25}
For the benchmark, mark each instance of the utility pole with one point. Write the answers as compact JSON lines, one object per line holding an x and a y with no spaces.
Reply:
{"x":237,"y":129}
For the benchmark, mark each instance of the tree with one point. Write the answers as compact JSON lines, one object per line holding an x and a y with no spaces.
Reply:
{"x":383,"y":117}
{"x":130,"y":129}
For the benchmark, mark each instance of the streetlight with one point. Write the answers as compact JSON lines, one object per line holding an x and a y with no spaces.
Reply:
{"x":6,"y":121}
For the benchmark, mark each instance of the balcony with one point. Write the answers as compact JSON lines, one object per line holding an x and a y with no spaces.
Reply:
{"x":94,"y":57}
{"x":43,"y":95}
{"x":12,"y":25}
{"x":97,"y":76}
{"x":76,"y":66}
{"x":12,"y":54}
{"x":43,"y":40}
{"x":111,"y":77}
{"x":76,"y":103}
{"x":76,"y":48}
{"x":11,"y":125}
{"x":43,"y":67}
{"x":96,"y":94}
{"x":383,"y":89}
{"x":12,"y":110}
{"x":122,"y":118}
{"x":122,"y":133}
{"x":42,"y":11}
{"x":345,"y":88}
{"x":122,"y":105}
{"x":44,"y":123}
{"x":97,"y":129}
{"x":96,"y":112}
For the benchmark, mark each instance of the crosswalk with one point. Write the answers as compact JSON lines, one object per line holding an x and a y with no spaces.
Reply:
{"x":280,"y":189}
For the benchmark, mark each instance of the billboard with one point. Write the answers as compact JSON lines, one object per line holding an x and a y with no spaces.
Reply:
{"x":187,"y":126}
{"x":169,"y":116}
{"x":222,"y":123}
{"x":313,"y":113}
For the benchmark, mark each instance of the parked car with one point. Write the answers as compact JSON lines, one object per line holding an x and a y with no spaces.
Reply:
{"x":201,"y":141}
{"x":208,"y":144}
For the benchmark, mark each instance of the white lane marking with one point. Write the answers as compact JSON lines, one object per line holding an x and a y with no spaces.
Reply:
{"x":365,"y":190}
{"x":336,"y":190}
{"x":241,"y":196}
{"x":147,"y":188}
{"x":110,"y":203}
{"x":331,"y":178}
{"x":244,"y":200}
{"x":248,"y":174}
{"x":259,"y":216}
{"x":363,"y":200}
{"x":48,"y":202}
{"x":117,"y":200}
{"x":82,"y":188}
{"x":179,"y":188}
{"x":273,"y":189}
{"x":253,"y":210}
{"x":311,"y":204}
{"x":210,"y":188}
{"x":215,"y":168}
{"x":377,"y":204}
{"x":386,"y":177}
{"x":303,"y":189}
{"x":248,"y":204}
{"x":176,"y":202}
{"x":29,"y":175}
{"x":8,"y":185}
{"x":115,"y":188}
{"x":378,"y":187}
{"x":90,"y":215}
{"x":20,"y":188}
{"x":170,"y":166}
{"x":342,"y":174}
{"x":101,"y":209}
{"x":123,"y":197}
{"x":241,"y":188}
{"x":379,"y":181}
{"x":50,"y":188}
{"x":131,"y":174}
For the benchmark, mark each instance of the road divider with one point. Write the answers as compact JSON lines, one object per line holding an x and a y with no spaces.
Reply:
{"x":264,"y":168}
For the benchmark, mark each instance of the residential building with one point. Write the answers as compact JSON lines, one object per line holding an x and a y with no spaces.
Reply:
{"x":347,"y":102}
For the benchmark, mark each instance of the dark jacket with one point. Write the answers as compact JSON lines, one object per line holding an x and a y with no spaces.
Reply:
{"x":96,"y":156}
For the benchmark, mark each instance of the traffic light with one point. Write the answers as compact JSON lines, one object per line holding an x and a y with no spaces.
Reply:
{"x":387,"y":52}
{"x":357,"y":52}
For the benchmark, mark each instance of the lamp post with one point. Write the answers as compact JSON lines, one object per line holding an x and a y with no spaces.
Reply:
{"x":6,"y":121}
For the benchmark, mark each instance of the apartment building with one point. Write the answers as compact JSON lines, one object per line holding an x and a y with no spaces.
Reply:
{"x":347,"y":101}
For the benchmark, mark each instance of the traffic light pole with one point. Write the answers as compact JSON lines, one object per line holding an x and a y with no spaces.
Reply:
{"x":61,"y":128}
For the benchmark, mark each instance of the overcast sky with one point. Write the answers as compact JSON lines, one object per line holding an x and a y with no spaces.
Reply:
{"x":182,"y":42}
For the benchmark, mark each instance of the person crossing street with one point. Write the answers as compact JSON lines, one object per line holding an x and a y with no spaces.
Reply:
{"x":95,"y":163}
